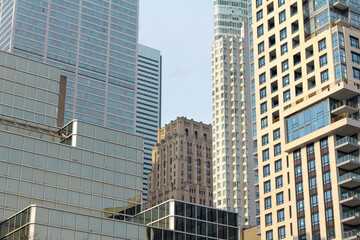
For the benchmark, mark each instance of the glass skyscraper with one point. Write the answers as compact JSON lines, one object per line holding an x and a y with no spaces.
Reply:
{"x":148,"y":104}
{"x":94,"y":42}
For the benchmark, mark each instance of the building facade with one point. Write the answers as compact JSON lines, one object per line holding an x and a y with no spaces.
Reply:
{"x":306,"y":82}
{"x":229,"y":16}
{"x":233,"y":159}
{"x":148,"y":104}
{"x":182,"y":164}
{"x":94,"y":43}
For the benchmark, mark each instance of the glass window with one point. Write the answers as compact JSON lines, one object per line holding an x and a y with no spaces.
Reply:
{"x":281,"y":215}
{"x":260,"y":30}
{"x":259,"y":15}
{"x":327,"y":178}
{"x":313,"y":201}
{"x":279,"y":198}
{"x":328,"y":196}
{"x":322,"y":44}
{"x":261,"y":47}
{"x":277,"y":149}
{"x":282,"y":233}
{"x":262,"y":78}
{"x":282,"y":16}
{"x":268,"y":219}
{"x":301,"y":223}
{"x":356,"y":73}
{"x":266,"y":155}
{"x":264,"y":122}
{"x":263,"y":93}
{"x":266,"y":170}
{"x":267,"y":186}
{"x":283,"y":34}
{"x":276,"y":134}
{"x":263,"y":108}
{"x":324,"y":76}
{"x":355,"y":57}
{"x":325,"y":161}
{"x":281,"y":2}
{"x":286,"y":80}
{"x":269,"y":235}
{"x":287,"y":96}
{"x":267,"y":203}
{"x":262,"y":62}
{"x":300,"y":206}
{"x":311,"y":166}
{"x":298,"y":171}
{"x":354,"y":42}
{"x":335,"y":40}
{"x":258,"y":3}
{"x":312,"y":183}
{"x":265,"y":139}
{"x":279,"y":182}
{"x":299,"y":188}
{"x":285,"y":65}
{"x":323,"y":60}
{"x":329,"y":214}
{"x":284,"y":48}
{"x":278,"y":165}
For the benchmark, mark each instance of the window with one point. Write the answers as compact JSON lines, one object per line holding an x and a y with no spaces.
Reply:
{"x":261,"y":47}
{"x":269,"y":235}
{"x":285,"y":65}
{"x":267,"y":203}
{"x":354,"y":42}
{"x":266,"y":155}
{"x":299,"y":188}
{"x":335,"y":40}
{"x":315,"y":219}
{"x":258,"y":3}
{"x":263,"y":108}
{"x":259,"y":15}
{"x":329,"y":214}
{"x":323,"y":60}
{"x":322,"y":44}
{"x":324,"y":76}
{"x":260,"y":30}
{"x":312,"y":183}
{"x":281,"y":2}
{"x":263,"y":93}
{"x":326,"y":178}
{"x":313,"y":201}
{"x":265,"y":139}
{"x":283,"y":34}
{"x":355,"y":57}
{"x":356,"y":73}
{"x":284,"y":49}
{"x":262,"y":78}
{"x":310,"y":149}
{"x":281,"y":215}
{"x":325,"y":161}
{"x":328,"y":196}
{"x":282,"y":17}
{"x":268,"y":219}
{"x":266,"y":170}
{"x":287,"y":96}
{"x":286,"y":81}
{"x":281,"y":231}
{"x":300,"y":206}
{"x":324,"y":143}
{"x":297,"y":155}
{"x":267,"y":187}
{"x":276,"y":134}
{"x":278,"y":165}
{"x":311,"y":166}
{"x":262,"y":62}
{"x":264,"y":122}
{"x":330,"y":232}
{"x":301,"y":223}
{"x":279,"y":182}
{"x":277,"y":149}
{"x":298,"y":171}
{"x":279,"y":198}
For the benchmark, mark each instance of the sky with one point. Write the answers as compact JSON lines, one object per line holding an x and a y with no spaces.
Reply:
{"x":183,"y":31}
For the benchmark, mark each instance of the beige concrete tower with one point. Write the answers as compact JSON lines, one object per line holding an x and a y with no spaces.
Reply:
{"x":182,"y":164}
{"x":306,"y":73}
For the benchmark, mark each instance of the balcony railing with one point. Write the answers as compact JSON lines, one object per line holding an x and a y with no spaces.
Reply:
{"x":351,"y":233}
{"x":343,"y":103}
{"x":349,"y":195}
{"x":351,"y":213}
{"x":347,"y":139}
{"x":344,"y":115}
{"x":348,"y":176}
{"x":348,"y":157}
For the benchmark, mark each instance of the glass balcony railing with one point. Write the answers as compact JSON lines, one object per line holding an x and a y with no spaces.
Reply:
{"x":344,"y":115}
{"x":343,"y":103}
{"x":348,"y":176}
{"x":348,"y":157}
{"x":352,"y":233}
{"x":344,"y":2}
{"x":347,"y":139}
{"x":349,"y":195}
{"x":352,"y":213}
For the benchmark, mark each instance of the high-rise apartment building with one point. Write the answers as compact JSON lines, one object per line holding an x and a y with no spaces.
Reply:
{"x":148,"y":104}
{"x":182,"y":164}
{"x":94,"y":42}
{"x":233,"y":160}
{"x":229,"y":16}
{"x":306,"y":78}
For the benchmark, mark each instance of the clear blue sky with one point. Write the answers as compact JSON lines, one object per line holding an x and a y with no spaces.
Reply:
{"x":183,"y":31}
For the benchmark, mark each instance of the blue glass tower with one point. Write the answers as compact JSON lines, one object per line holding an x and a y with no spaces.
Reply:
{"x":93,"y":41}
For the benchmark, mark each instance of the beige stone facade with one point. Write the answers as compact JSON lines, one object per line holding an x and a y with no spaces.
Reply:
{"x":307,"y":78}
{"x":182,"y":164}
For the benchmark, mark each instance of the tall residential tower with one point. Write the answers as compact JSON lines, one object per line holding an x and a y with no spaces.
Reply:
{"x":307,"y":79}
{"x":94,"y":42}
{"x":233,"y":160}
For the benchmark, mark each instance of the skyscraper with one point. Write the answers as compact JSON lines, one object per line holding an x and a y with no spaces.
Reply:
{"x":182,"y":164}
{"x":233,"y":160}
{"x":306,"y":77}
{"x":148,"y":104}
{"x":94,"y":42}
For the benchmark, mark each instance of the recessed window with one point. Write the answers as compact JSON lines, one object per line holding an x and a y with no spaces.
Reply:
{"x":287,"y":96}
{"x":276,"y":134}
{"x":260,"y":30}
{"x":279,"y":182}
{"x":261,"y":47}
{"x":312,"y":183}
{"x":264,"y":122}
{"x":262,"y":78}
{"x":267,"y":186}
{"x":269,"y":235}
{"x":356,"y":73}
{"x":354,"y":42}
{"x":326,"y":178}
{"x":300,"y":206}
{"x":282,"y":233}
{"x":263,"y":93}
{"x":279,"y":198}
{"x":285,"y":66}
{"x":259,"y":15}
{"x":314,"y":201}
{"x":298,"y":171}
{"x":286,"y":80}
{"x":262,"y":62}
{"x":281,"y":215}
{"x":258,"y":3}
{"x":301,"y":223}
{"x":281,"y":2}
{"x":266,"y":155}
{"x":283,"y":34}
{"x":266,"y":170}
{"x":324,"y":76}
{"x":282,"y":16}
{"x":284,"y":48}
{"x":322,"y":44}
{"x":263,"y":108}
{"x":299,"y":188}
{"x":267,"y":203}
{"x":268,"y":219}
{"x":323,"y":60}
{"x":355,"y":57}
{"x":265,"y":139}
{"x":277,"y":149}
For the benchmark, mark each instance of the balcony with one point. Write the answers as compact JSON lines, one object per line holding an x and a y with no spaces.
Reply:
{"x":350,"y":199}
{"x":348,"y":162}
{"x":347,"y":144}
{"x":258,"y":230}
{"x":351,"y":217}
{"x":352,"y":235}
{"x":344,"y":106}
{"x":345,"y":124}
{"x":349,"y":180}
{"x":340,"y":4}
